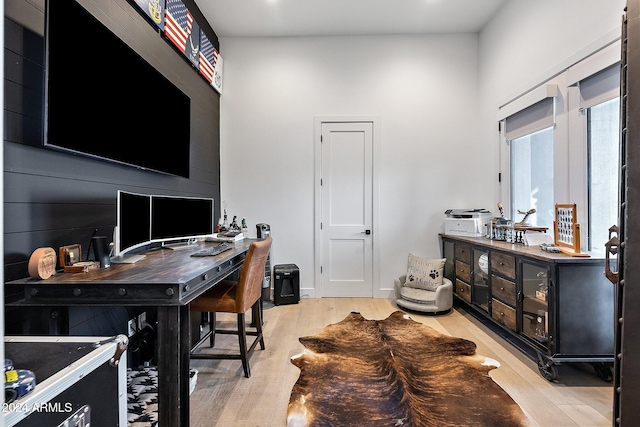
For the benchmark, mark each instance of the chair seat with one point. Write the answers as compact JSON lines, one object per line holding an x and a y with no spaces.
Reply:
{"x":438,"y":301}
{"x":221,"y":298}
{"x":420,"y":296}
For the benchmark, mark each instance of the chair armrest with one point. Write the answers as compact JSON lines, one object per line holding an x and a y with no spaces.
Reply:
{"x":444,"y":294}
{"x":398,"y":285}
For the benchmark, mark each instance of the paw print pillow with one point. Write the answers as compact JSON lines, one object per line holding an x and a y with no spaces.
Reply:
{"x":424,"y":273}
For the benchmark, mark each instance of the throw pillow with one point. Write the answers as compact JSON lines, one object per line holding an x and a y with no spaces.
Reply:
{"x":424,"y":273}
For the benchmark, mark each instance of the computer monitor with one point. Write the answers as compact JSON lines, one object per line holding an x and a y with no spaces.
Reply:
{"x":133,"y":228}
{"x":180,"y":218}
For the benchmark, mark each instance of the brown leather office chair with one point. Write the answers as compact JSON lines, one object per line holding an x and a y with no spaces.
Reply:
{"x":237,"y":297}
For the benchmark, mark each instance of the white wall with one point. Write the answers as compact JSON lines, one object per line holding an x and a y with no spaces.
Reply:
{"x":529,"y":42}
{"x":437,"y":97}
{"x":423,"y":88}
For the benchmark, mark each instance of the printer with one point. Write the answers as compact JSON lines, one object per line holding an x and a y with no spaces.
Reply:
{"x":467,"y":222}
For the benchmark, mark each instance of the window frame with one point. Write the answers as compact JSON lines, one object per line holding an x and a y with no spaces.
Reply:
{"x":569,"y":134}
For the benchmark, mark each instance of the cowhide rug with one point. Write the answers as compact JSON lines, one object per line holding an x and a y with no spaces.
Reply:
{"x":395,"y":372}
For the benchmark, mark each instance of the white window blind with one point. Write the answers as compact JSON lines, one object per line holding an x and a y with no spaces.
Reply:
{"x":532,"y":119}
{"x":600,"y":87}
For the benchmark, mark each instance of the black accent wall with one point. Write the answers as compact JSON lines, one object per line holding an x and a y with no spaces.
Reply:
{"x":55,"y":199}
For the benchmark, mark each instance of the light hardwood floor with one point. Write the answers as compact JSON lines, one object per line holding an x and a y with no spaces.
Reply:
{"x":224,"y":397}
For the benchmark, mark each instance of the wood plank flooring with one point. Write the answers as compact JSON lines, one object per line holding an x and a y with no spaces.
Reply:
{"x":224,"y":397}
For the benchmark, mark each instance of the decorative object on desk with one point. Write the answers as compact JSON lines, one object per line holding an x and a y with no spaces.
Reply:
{"x":226,"y":236}
{"x":234,"y":224}
{"x":42,"y":263}
{"x":566,"y":230}
{"x":536,"y":238}
{"x":501,"y":210}
{"x":549,"y":247}
{"x":395,"y":371}
{"x":526,"y":214}
{"x":82,"y":267}
{"x":225,"y":219}
{"x":263,"y":231}
{"x":101,"y":251}
{"x":69,"y":255}
{"x":70,"y":259}
{"x":503,"y":230}
{"x":244,"y":229}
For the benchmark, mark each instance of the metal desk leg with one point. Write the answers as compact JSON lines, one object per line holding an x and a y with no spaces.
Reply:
{"x":173,"y":365}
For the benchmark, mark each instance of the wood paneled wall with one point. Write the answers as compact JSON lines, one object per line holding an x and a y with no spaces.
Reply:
{"x":55,"y":199}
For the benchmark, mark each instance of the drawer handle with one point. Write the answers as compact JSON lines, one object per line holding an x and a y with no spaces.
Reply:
{"x":461,"y":289}
{"x":502,"y":289}
{"x":501,"y":313}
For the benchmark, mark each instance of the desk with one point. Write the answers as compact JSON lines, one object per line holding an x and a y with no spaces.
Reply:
{"x":166,"y":279}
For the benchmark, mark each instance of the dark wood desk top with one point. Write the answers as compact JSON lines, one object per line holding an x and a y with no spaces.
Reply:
{"x":163,"y":277}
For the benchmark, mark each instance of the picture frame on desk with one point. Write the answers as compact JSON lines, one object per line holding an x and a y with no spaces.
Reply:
{"x":69,"y":255}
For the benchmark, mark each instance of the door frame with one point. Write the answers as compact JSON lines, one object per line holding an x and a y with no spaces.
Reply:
{"x":318,"y":233}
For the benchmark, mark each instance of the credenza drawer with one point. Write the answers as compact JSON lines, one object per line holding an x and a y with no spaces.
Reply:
{"x":463,"y":271}
{"x":503,"y":314}
{"x":463,"y":252}
{"x":463,"y":291}
{"x":503,"y":264}
{"x":504,"y":290}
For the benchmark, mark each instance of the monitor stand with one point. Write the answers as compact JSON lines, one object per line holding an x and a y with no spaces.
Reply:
{"x":180,"y":245}
{"x":126,"y":259}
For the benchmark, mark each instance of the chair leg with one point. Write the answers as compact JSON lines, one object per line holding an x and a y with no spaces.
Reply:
{"x":256,"y":312}
{"x":242,"y":341}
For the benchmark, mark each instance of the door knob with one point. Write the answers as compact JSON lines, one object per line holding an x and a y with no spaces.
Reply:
{"x":365,"y":232}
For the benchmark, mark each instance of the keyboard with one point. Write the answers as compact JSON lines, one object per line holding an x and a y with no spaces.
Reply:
{"x":215,"y":250}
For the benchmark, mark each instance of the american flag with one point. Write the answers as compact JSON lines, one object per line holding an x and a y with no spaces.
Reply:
{"x":208,"y":57}
{"x":178,"y":23}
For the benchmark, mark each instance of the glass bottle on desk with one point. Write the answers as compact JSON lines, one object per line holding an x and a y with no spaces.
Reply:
{"x":244,"y":230}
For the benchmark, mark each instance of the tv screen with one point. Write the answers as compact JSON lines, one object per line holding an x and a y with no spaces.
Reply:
{"x":105,"y":101}
{"x":174,"y":218}
{"x":133,"y":221}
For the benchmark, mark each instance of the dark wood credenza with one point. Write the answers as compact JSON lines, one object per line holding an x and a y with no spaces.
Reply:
{"x":165,"y":279}
{"x":554,"y":307}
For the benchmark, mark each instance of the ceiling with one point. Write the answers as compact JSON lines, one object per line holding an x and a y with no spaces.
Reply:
{"x":289,"y":18}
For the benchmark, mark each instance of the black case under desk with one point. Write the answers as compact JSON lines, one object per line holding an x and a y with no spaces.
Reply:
{"x":72,"y":376}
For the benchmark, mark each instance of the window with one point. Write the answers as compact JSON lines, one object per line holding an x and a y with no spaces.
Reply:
{"x":603,"y":129}
{"x":531,"y":171}
{"x":529,"y":132}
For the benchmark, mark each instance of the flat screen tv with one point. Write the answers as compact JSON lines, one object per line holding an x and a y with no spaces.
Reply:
{"x":105,"y":101}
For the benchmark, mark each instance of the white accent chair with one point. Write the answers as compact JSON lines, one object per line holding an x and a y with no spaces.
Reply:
{"x":438,"y":301}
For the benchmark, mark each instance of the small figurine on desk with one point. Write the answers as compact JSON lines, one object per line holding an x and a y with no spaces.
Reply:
{"x":501,"y":210}
{"x":234,"y":224}
{"x":245,"y":230}
{"x":526,"y":215}
{"x":225,"y":222}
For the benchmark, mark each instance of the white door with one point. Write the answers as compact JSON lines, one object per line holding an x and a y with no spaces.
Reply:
{"x":347,"y":209}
